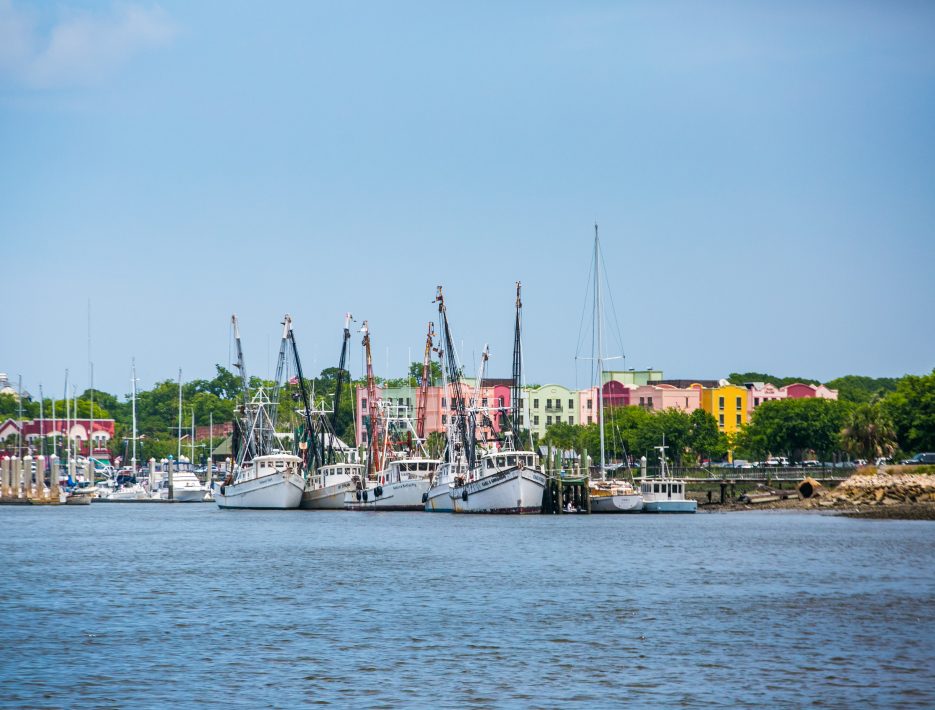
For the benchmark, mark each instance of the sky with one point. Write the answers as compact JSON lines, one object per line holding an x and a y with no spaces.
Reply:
{"x":763,"y":175}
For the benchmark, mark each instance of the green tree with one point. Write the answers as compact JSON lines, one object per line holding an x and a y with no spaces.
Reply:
{"x":861,"y":390}
{"x":739,"y":378}
{"x":435,"y":373}
{"x":564,"y":436}
{"x":869,"y":433}
{"x":912,"y":409}
{"x":793,"y":426}
{"x":705,"y":440}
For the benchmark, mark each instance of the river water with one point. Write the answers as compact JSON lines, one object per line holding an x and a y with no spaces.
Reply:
{"x":151,"y":605}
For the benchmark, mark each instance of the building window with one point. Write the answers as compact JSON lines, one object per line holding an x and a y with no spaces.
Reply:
{"x":756,"y":401}
{"x":535,"y":420}
{"x":548,"y":420}
{"x":642,"y":401}
{"x":720,"y":420}
{"x":590,"y":404}
{"x":444,"y":402}
{"x":548,"y":404}
{"x":363,"y":403}
{"x":499,"y":401}
{"x":483,"y":402}
{"x":739,"y":402}
{"x":720,"y":403}
{"x":535,"y":404}
{"x":522,"y":420}
{"x":590,"y":419}
{"x":571,"y":419}
{"x":650,"y":402}
{"x":444,"y":419}
{"x":571,"y":404}
{"x":738,"y":420}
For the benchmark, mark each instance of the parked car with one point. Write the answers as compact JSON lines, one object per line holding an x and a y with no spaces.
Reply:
{"x":811,"y":463}
{"x":919,"y":459}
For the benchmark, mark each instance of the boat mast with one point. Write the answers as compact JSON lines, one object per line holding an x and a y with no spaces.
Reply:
{"x":373,"y":411}
{"x":41,"y":423}
{"x":424,"y":384}
{"x":599,"y":321}
{"x":66,"y":443}
{"x":315,"y":440}
{"x":133,"y":406}
{"x":280,"y":365}
{"x":179,"y":455}
{"x":191,"y":461}
{"x":464,"y":421}
{"x":517,"y":391}
{"x":339,"y":384}
{"x":91,"y":426}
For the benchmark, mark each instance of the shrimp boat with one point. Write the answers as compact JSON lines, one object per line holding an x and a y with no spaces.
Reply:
{"x":263,"y":476}
{"x":327,"y":488}
{"x":500,"y":481}
{"x":664,"y":494}
{"x":504,"y":482}
{"x":438,"y":497}
{"x":400,"y":486}
{"x":607,"y":495}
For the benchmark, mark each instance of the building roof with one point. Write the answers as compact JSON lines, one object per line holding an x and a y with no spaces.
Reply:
{"x":684,"y":384}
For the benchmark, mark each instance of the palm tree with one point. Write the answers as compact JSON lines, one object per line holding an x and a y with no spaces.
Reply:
{"x":869,"y":434}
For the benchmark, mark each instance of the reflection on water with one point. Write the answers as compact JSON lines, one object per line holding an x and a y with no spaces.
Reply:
{"x":151,"y":605}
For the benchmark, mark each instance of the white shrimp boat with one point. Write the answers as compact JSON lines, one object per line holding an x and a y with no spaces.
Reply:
{"x":504,"y":482}
{"x":273,"y":481}
{"x":438,"y":497}
{"x":328,"y":486}
{"x":400,"y":486}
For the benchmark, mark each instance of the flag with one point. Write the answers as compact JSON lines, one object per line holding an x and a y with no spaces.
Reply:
{"x":294,"y":380}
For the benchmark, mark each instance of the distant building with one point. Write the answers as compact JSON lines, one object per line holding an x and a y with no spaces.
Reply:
{"x":58,"y":430}
{"x":759,"y":392}
{"x":8,"y":388}
{"x":656,"y":397}
{"x":632,"y":377}
{"x":551,"y":404}
{"x":728,"y":404}
{"x":798,"y":390}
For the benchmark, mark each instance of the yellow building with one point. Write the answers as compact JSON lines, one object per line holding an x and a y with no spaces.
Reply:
{"x":727,"y":404}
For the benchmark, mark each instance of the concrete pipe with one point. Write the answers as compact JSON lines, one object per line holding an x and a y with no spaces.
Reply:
{"x":808,"y":488}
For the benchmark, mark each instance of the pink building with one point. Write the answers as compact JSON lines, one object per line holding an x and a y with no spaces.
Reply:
{"x":658,"y":397}
{"x":76,"y":429}
{"x":798,"y":390}
{"x":439,"y":407}
{"x":759,"y":392}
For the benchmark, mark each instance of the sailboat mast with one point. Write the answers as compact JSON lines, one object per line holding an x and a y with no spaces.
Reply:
{"x":91,"y":426}
{"x":517,"y":392}
{"x":191,"y":461}
{"x":599,"y":319}
{"x":133,"y":406}
{"x":179,"y":455}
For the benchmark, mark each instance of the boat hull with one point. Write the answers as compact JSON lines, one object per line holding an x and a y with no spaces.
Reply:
{"x":516,"y":491}
{"x":439,"y":499}
{"x":670,"y":506}
{"x":402,"y":495}
{"x":622,"y":503}
{"x":327,"y":498}
{"x":277,"y":491}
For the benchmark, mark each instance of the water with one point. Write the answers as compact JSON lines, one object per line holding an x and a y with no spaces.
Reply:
{"x":150,"y":605}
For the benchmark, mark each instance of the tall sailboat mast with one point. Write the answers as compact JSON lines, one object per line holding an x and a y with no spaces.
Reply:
{"x":372,"y":410}
{"x":599,"y":321}
{"x":133,"y":407}
{"x":179,"y":455}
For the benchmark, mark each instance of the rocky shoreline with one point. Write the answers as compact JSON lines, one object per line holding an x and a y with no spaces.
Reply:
{"x":869,"y":493}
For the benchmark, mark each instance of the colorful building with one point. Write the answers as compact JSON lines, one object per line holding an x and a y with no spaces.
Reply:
{"x":658,"y":397}
{"x":727,"y":403}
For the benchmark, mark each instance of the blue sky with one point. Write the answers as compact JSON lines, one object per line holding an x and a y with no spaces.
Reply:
{"x":763,"y":174}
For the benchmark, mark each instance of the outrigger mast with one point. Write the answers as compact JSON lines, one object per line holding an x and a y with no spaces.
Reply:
{"x":422,"y":396}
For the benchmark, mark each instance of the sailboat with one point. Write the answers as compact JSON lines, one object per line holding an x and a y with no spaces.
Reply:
{"x":396,"y":481}
{"x":186,"y":487}
{"x":125,"y":483}
{"x":262,"y":476}
{"x":498,"y":481}
{"x":607,"y":495}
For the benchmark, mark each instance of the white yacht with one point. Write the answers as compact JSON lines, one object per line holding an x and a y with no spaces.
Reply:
{"x":611,"y":496}
{"x":272,"y":481}
{"x":327,"y":487}
{"x":186,"y":488}
{"x":126,"y":487}
{"x":399,"y":486}
{"x":503,"y":482}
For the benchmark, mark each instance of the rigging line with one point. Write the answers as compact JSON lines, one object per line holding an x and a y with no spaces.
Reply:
{"x":613,"y":310}
{"x":584,"y":307}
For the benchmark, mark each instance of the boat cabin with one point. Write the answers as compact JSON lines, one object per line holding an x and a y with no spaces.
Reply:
{"x":269,"y":465}
{"x":326,"y":475}
{"x":662,"y":489}
{"x":406,"y":469}
{"x":505,"y":460}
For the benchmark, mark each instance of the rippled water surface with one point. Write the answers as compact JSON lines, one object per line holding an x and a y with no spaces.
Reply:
{"x":149,"y":605}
